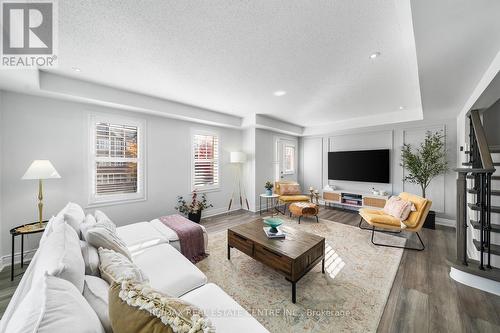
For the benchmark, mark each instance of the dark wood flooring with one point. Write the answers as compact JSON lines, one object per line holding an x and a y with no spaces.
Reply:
{"x":423,"y":297}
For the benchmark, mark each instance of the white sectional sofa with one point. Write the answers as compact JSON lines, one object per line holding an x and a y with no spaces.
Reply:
{"x":155,"y":251}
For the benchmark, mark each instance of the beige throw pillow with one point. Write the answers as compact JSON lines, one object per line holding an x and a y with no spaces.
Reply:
{"x":136,"y":308}
{"x":116,"y":267}
{"x":100,"y":235}
{"x":290,"y":189}
{"x":399,"y":208}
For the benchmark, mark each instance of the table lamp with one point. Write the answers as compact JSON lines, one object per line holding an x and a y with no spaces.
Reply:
{"x":41,"y":169}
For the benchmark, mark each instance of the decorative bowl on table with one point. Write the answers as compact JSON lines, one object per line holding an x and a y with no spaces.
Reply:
{"x":273,"y":222}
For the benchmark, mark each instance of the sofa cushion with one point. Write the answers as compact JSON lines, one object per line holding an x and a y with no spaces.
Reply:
{"x":54,"y":305}
{"x":137,"y":308}
{"x":60,"y":255}
{"x":115,"y":266}
{"x":168,"y":270}
{"x":102,"y":236}
{"x":96,"y":292}
{"x":375,"y":216}
{"x":214,"y":302}
{"x":141,"y":235}
{"x":74,"y":216}
{"x":53,"y":221}
{"x":90,"y":258}
{"x":87,"y":224}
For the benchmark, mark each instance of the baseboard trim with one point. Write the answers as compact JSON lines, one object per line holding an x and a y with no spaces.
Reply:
{"x":220,"y":211}
{"x":446,"y":222}
{"x":5,"y":261}
{"x":475,"y":281}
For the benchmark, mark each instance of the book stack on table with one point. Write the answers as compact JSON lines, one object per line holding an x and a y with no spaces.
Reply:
{"x":269,"y":234}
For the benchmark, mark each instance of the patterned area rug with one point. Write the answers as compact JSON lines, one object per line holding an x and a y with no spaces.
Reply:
{"x":350,"y":297}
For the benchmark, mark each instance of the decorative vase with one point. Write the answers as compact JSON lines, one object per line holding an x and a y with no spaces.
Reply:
{"x":269,"y":192}
{"x":195,"y":217}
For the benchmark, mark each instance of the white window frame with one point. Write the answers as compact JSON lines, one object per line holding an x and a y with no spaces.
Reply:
{"x":207,"y":188}
{"x":294,"y":167}
{"x":103,"y":200}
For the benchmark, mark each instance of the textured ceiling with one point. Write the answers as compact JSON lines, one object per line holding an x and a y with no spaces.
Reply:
{"x":230,"y":56}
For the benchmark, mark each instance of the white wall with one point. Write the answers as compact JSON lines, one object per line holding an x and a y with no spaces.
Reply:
{"x":443,"y":189}
{"x":41,"y":128}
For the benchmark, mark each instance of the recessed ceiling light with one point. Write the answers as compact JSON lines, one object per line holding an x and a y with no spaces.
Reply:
{"x":279,"y":93}
{"x":401,"y":107}
{"x":76,"y":69}
{"x":374,"y":55}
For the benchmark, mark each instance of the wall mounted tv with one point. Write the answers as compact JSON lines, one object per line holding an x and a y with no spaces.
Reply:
{"x":360,"y":166}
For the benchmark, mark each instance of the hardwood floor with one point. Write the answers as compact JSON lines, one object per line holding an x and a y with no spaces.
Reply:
{"x":423,"y":297}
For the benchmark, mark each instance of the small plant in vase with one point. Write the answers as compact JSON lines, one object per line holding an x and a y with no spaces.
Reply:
{"x":193,"y":209}
{"x":269,"y":188}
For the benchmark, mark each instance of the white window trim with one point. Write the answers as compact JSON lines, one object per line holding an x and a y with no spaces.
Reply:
{"x":95,"y":200}
{"x":209,"y":188}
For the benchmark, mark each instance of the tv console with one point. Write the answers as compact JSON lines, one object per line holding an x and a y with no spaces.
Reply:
{"x":354,"y":199}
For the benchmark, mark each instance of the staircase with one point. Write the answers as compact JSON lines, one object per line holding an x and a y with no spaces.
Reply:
{"x":478,"y":206}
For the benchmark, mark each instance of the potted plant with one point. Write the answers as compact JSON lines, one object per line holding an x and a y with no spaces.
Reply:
{"x":424,"y":164}
{"x":269,"y":188}
{"x":194,"y":208}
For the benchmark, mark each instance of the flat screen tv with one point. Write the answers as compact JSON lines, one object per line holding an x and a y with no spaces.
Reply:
{"x":360,"y":166}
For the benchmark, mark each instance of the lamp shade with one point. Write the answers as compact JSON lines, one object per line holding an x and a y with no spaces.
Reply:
{"x":238,"y":157}
{"x":41,"y":169}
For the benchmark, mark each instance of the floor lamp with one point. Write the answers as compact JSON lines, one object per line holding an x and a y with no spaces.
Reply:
{"x":238,"y":158}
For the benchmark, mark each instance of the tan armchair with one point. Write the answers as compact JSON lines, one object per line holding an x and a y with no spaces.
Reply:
{"x":287,"y":199}
{"x":390,"y":224}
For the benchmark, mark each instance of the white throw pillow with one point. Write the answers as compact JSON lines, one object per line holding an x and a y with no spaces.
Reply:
{"x":96,"y":292}
{"x":54,"y":305}
{"x":87,"y":224}
{"x":74,"y":216}
{"x":101,"y":236}
{"x":116,"y":267}
{"x":104,"y":220}
{"x":53,"y":221}
{"x":90,"y":258}
{"x":60,"y":256}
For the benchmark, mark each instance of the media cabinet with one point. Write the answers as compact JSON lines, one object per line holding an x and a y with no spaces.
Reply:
{"x":353,"y":199}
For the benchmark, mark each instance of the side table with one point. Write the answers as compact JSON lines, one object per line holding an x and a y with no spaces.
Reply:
{"x":25,"y":229}
{"x":273,"y":199}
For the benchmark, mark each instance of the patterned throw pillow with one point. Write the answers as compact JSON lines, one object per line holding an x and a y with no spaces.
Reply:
{"x":399,"y":208}
{"x":115,"y":267}
{"x":136,"y":308}
{"x":289,"y":189}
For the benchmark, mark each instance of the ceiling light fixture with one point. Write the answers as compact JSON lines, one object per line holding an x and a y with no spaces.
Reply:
{"x":76,"y":69}
{"x":401,"y":107}
{"x":279,"y":93}
{"x":374,"y":55}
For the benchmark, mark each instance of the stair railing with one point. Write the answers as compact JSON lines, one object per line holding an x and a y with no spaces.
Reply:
{"x":481,"y":170}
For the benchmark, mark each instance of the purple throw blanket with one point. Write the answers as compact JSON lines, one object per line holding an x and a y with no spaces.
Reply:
{"x":190,"y":236}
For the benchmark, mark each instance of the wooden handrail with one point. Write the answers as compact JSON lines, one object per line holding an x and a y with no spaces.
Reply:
{"x":482,"y":143}
{"x":474,"y":170}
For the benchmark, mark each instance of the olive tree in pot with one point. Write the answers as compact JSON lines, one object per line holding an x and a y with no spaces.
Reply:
{"x":424,"y":163}
{"x":194,"y":208}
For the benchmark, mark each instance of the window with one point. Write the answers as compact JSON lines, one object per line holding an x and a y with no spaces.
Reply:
{"x":116,"y":160}
{"x":289,"y":159}
{"x":205,"y":157}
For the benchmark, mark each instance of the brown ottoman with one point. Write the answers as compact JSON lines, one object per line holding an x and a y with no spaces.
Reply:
{"x":304,"y":209}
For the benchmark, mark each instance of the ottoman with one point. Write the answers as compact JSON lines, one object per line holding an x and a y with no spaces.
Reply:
{"x":304,"y":209}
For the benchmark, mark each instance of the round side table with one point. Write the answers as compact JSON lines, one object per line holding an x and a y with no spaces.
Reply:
{"x":272,"y":199}
{"x":25,"y":229}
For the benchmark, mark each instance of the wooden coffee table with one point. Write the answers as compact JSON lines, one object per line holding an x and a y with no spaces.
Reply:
{"x":292,"y":256}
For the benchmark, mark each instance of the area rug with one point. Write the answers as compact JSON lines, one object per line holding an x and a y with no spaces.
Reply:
{"x":350,"y":297}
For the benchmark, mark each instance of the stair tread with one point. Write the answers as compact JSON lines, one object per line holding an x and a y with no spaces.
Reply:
{"x":494,"y":227}
{"x":473,"y":191}
{"x":492,"y":177}
{"x":494,"y":209}
{"x":494,"y":149}
{"x":473,"y":268}
{"x":470,"y":163}
{"x":495,"y":249}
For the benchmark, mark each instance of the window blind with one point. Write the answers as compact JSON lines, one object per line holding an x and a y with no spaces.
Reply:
{"x":206,"y":161}
{"x":116,"y":159}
